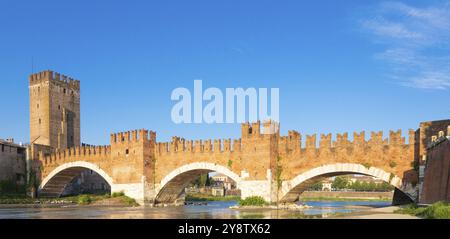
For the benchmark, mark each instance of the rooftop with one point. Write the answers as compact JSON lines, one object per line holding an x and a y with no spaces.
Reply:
{"x":10,"y":142}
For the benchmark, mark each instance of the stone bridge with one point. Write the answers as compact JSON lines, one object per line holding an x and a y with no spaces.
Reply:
{"x":261,"y":162}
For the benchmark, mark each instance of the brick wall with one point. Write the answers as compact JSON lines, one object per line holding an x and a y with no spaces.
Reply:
{"x":436,"y":186}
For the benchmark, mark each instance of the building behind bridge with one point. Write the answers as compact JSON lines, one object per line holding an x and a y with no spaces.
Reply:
{"x":12,"y":166}
{"x":436,"y":182}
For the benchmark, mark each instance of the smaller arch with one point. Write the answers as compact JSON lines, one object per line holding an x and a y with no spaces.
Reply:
{"x":53,"y":184}
{"x":172,"y":185}
{"x":297,"y":185}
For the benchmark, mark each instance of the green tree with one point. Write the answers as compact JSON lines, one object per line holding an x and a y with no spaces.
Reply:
{"x":316,"y":187}
{"x":340,"y":183}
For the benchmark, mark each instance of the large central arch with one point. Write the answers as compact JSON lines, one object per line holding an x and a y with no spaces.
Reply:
{"x":54,"y":183}
{"x":292,"y":188}
{"x":172,"y":185}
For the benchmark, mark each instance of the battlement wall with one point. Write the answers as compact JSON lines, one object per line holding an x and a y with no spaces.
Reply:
{"x":198,"y":146}
{"x":133,"y":136}
{"x":54,"y":77}
{"x":293,"y":142}
{"x":76,"y":153}
{"x":253,"y":130}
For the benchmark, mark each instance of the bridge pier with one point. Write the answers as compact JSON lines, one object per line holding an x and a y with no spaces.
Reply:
{"x":132,"y":190}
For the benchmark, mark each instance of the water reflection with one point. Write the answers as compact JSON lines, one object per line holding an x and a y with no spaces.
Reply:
{"x":219,"y":210}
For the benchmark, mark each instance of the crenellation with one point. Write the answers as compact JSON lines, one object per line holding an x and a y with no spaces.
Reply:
{"x":271,"y":127}
{"x":245,"y":130}
{"x":113,"y":138}
{"x":227,"y":145}
{"x":256,"y":128}
{"x":98,"y":150}
{"x":325,"y":141}
{"x":143,"y":135}
{"x":376,"y":139}
{"x":395,"y":137}
{"x":189,"y":145}
{"x":295,"y":140}
{"x":134,"y":136}
{"x":217,"y":146}
{"x":127,"y":136}
{"x":54,"y":77}
{"x":152,"y":136}
{"x":237,"y":145}
{"x":198,"y":147}
{"x":411,"y":137}
{"x":77,"y":151}
{"x":342,"y":141}
{"x":311,"y":141}
{"x":207,"y":146}
{"x":173,"y":146}
{"x":359,"y":140}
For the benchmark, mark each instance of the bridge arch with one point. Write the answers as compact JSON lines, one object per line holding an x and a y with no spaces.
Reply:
{"x":292,"y":188}
{"x":54,"y":183}
{"x":171,"y":186}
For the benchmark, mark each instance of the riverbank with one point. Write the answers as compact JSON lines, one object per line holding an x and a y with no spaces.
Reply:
{"x":343,"y":199}
{"x":203,"y":197}
{"x":345,"y":196}
{"x":78,"y":200}
{"x":375,"y":213}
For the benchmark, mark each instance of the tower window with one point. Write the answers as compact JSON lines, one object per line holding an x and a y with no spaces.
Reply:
{"x":38,"y":106}
{"x":59,"y":107}
{"x":64,"y":91}
{"x":39,"y":121}
{"x":127,"y":151}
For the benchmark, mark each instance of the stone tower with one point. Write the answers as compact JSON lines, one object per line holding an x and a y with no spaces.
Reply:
{"x":54,"y":110}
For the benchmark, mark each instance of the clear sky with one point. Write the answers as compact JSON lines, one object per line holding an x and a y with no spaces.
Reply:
{"x":340,"y":65}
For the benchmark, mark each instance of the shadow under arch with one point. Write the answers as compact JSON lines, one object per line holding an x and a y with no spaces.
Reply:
{"x":293,"y":188}
{"x":53,"y":184}
{"x":172,"y":186}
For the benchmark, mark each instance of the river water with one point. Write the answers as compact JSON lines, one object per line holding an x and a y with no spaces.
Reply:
{"x":219,"y":210}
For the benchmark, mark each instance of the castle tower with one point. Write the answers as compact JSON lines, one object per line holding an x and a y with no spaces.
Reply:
{"x":54,"y":110}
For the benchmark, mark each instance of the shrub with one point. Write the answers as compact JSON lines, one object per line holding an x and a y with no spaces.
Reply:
{"x":84,"y":199}
{"x":253,"y":201}
{"x":117,"y":194}
{"x":129,"y":201}
{"x":7,"y":186}
{"x":439,"y":210}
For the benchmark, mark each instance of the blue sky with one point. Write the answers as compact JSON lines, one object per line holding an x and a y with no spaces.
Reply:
{"x":340,"y":65}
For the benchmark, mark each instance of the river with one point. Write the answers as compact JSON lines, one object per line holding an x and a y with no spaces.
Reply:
{"x":219,"y":210}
